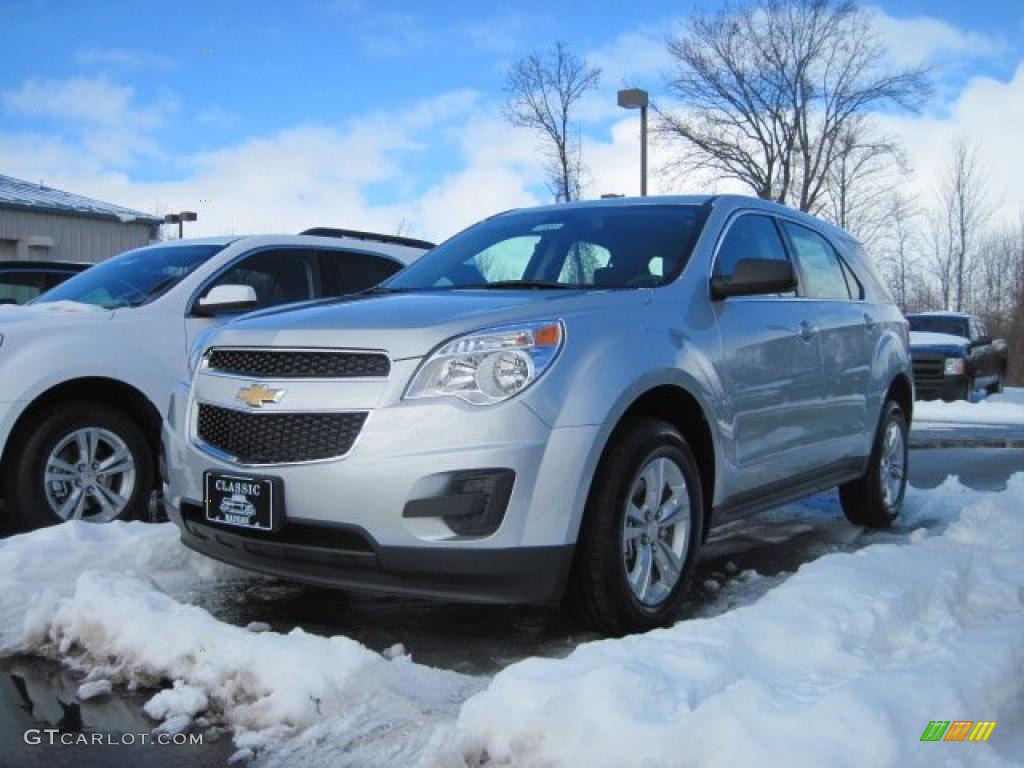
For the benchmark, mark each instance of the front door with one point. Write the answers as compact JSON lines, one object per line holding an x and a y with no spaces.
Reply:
{"x":771,"y":362}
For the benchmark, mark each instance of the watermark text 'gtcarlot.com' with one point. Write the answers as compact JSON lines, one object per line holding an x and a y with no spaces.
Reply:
{"x":54,"y":736}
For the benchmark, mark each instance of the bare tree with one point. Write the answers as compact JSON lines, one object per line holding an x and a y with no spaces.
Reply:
{"x":772,"y":90}
{"x":900,"y":243}
{"x":963,"y":198}
{"x":542,"y":91}
{"x":859,"y":183}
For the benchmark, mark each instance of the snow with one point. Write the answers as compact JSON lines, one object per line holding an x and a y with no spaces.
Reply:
{"x":1005,"y":409}
{"x":94,"y":689}
{"x":929,"y":339}
{"x":842,"y":663}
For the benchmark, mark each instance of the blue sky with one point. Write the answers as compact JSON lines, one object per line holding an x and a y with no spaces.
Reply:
{"x":263,"y":114}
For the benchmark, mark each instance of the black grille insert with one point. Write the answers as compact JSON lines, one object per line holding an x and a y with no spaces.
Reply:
{"x":928,"y":368}
{"x":300,"y":364}
{"x":278,"y":438}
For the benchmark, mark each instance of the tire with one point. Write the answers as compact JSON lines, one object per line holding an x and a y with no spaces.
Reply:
{"x":600,"y":594}
{"x":968,"y":391}
{"x":56,"y":437}
{"x":996,"y":387}
{"x":867,"y":501}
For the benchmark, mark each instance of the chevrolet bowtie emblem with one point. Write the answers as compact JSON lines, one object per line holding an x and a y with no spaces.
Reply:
{"x":257,"y":395}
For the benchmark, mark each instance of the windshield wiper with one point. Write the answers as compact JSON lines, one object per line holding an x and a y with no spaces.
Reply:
{"x":522,"y":284}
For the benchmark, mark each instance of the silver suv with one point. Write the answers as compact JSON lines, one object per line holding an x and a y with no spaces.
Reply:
{"x":557,"y":402}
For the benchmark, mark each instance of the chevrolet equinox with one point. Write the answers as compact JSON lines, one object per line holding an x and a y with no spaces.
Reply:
{"x":558,"y":402}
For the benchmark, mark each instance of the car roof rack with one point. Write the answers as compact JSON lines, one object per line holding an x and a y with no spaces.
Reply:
{"x":375,"y":237}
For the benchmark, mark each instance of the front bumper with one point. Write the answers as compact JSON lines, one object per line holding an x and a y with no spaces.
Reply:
{"x":514,"y":575}
{"x":346,"y":522}
{"x":947,"y":388}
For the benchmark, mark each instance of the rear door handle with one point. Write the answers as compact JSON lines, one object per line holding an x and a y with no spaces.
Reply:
{"x":869,"y":322}
{"x":808,"y":331}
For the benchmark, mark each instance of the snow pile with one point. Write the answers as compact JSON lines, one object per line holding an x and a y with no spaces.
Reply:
{"x":844,"y":663}
{"x":264,"y":685}
{"x":1002,"y":409}
{"x":48,"y":561}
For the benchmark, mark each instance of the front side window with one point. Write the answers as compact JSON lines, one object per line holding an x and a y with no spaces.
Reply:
{"x":823,"y":275}
{"x":751,"y":236}
{"x":625,"y":246}
{"x":132,"y":278}
{"x":280,"y":276}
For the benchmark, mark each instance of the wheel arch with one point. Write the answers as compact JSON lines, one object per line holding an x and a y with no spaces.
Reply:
{"x":112,"y":392}
{"x":677,"y":405}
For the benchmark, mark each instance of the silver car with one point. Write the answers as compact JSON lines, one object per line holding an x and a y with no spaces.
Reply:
{"x":558,"y":402}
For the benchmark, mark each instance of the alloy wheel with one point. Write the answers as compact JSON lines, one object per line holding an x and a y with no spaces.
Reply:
{"x":656,"y":530}
{"x":90,"y":475}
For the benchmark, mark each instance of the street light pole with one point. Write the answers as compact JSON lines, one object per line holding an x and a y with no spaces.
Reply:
{"x":643,"y":151}
{"x":637,"y":98}
{"x":180,"y":219}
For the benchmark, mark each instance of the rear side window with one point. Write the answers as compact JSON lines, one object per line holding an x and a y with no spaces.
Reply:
{"x":852,"y":283}
{"x":751,"y":236}
{"x":346,"y":272}
{"x":819,"y":262}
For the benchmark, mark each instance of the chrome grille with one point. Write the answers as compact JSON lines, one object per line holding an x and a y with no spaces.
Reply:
{"x":299,"y":364}
{"x":278,"y":438}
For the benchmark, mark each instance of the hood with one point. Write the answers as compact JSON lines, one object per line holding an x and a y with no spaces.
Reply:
{"x":923,"y":341}
{"x":33,"y":317}
{"x":411,"y":324}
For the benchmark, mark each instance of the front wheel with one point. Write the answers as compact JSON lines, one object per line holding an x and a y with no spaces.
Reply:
{"x":79,"y":460}
{"x":641,"y":531}
{"x":874,"y":500}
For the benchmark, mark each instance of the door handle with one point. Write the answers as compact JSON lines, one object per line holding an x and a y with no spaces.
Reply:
{"x":869,"y":322}
{"x":808,"y":331}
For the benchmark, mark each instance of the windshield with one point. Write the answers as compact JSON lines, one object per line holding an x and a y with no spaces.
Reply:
{"x":954,"y":326}
{"x":588,"y":247}
{"x":133,"y":278}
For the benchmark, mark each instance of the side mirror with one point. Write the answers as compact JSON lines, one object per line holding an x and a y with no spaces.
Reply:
{"x":981,"y":341}
{"x":752,"y":277}
{"x":227,"y":298}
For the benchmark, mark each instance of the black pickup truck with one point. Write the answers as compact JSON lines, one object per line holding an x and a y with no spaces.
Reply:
{"x":954,"y":355}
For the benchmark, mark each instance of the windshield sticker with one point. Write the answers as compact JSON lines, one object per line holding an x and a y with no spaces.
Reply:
{"x":548,"y":227}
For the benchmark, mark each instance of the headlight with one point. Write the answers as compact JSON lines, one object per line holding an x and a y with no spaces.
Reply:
{"x":954,"y":366}
{"x":491,"y":365}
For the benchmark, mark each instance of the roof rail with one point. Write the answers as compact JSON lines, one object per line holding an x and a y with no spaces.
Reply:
{"x":375,"y":237}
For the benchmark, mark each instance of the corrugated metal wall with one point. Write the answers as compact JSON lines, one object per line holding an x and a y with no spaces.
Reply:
{"x":74,"y":238}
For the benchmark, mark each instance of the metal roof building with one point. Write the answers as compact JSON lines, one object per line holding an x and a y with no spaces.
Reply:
{"x":38,"y":222}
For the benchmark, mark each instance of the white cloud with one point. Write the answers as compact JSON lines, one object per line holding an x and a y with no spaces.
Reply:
{"x":636,"y":58}
{"x":313,"y":174}
{"x":919,"y":40}
{"x":317,"y":175}
{"x":989,"y":112}
{"x":105,"y":114}
{"x":124,"y":59}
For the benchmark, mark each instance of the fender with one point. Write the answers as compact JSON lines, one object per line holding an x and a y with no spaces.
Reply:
{"x":890,"y":359}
